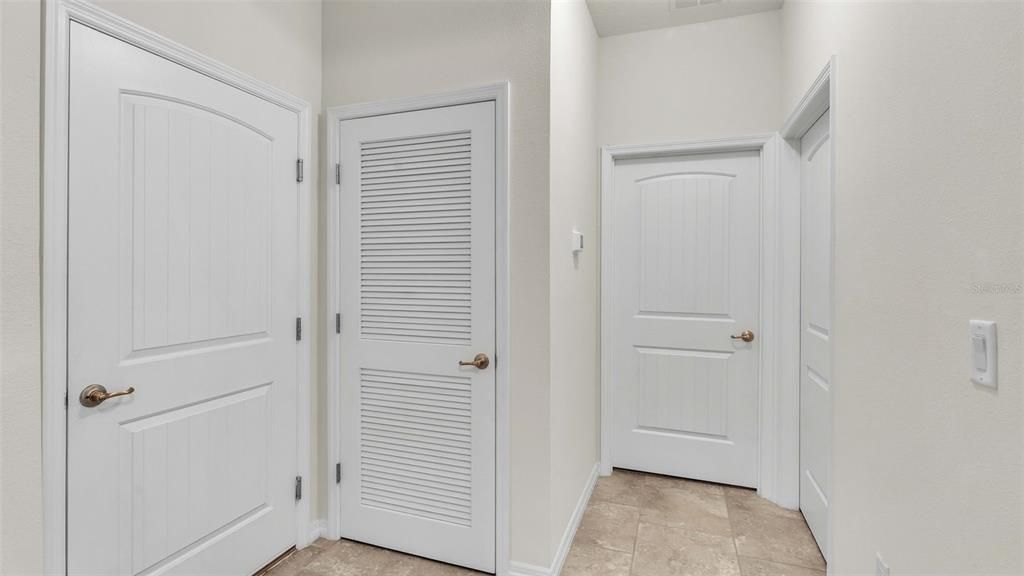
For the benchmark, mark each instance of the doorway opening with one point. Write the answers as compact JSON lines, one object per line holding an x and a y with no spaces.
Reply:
{"x":679,"y":259}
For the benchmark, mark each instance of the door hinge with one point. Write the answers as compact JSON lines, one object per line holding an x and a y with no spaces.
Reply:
{"x":337,"y":473}
{"x":337,"y":173}
{"x":65,"y":400}
{"x":337,"y":323}
{"x":298,"y":329}
{"x":298,"y":170}
{"x":298,"y":487}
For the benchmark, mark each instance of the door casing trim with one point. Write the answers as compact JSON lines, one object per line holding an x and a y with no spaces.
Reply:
{"x":59,"y":14}
{"x":778,"y":391}
{"x":499,"y":94}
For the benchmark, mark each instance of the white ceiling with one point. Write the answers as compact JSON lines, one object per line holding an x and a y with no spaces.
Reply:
{"x":624,"y":16}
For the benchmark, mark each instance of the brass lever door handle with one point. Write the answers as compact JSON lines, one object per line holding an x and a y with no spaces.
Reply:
{"x":480,"y":361}
{"x":96,"y":394}
{"x":746,"y":336}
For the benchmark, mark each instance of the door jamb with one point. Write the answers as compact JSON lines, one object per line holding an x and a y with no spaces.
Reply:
{"x":499,"y":94}
{"x":57,"y":21}
{"x":821,"y":96}
{"x":778,"y":448}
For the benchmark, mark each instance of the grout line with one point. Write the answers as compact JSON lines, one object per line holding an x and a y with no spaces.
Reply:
{"x":636,"y":539}
{"x":639,"y":514}
{"x":728,"y":507}
{"x":789,"y":564}
{"x":732,"y":531}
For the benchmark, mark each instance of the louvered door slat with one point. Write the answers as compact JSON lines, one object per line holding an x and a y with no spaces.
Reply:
{"x":418,"y":150}
{"x":407,"y":140}
{"x":388,"y":397}
{"x":404,"y":224}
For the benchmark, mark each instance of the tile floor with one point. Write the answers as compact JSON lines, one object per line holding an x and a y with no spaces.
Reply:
{"x":635,"y":525}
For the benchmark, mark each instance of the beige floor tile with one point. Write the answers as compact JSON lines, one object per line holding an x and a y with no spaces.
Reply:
{"x":691,"y":505}
{"x":745,"y":500}
{"x":775,"y":537}
{"x":667,"y":551}
{"x":347,"y":558}
{"x":415,"y":566}
{"x":323,"y":543}
{"x":754,"y":567}
{"x":296,"y":562}
{"x":659,"y":481}
{"x":622,"y":487}
{"x":608,"y":525}
{"x":636,"y":524}
{"x":586,"y":560}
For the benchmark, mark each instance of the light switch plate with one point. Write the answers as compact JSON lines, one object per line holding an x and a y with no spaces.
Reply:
{"x":983,"y":357}
{"x":577,"y":241}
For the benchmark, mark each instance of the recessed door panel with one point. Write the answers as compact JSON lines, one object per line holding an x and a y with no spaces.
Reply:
{"x":198,"y":471}
{"x":200,"y":223}
{"x":683,"y":392}
{"x":684,"y":244}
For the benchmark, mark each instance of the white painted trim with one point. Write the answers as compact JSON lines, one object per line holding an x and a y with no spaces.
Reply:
{"x":574,"y":523}
{"x":58,"y":17}
{"x":836,"y":387}
{"x":524,"y":569}
{"x":779,"y":352}
{"x":499,"y":94}
{"x":623,"y":152}
{"x":779,"y":447}
{"x":605,"y":237}
{"x":814,"y":103}
{"x":565,"y":545}
{"x":821,"y":96}
{"x":317,"y":529}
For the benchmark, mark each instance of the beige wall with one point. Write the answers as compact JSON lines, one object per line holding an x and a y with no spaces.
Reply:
{"x":277,"y":42}
{"x":927,"y":467}
{"x":707,"y":80}
{"x":20,"y":416}
{"x":574,"y":280}
{"x":381,"y":50}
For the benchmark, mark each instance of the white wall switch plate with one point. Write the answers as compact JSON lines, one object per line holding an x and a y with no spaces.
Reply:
{"x":983,"y":353}
{"x":577,"y":241}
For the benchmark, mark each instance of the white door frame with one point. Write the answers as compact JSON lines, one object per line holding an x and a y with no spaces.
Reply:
{"x":497,"y":93}
{"x":821,"y":96}
{"x":778,"y":386}
{"x":58,"y":18}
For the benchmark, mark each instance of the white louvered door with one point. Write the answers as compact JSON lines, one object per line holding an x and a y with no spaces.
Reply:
{"x":417,"y":297}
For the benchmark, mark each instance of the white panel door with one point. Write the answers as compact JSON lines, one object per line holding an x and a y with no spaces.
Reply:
{"x":685,"y":281}
{"x":417,"y":298}
{"x":816,"y":328}
{"x":182,"y":284}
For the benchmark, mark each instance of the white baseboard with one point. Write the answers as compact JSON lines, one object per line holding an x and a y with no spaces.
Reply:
{"x":523,"y":569}
{"x":317,"y":528}
{"x":574,"y":523}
